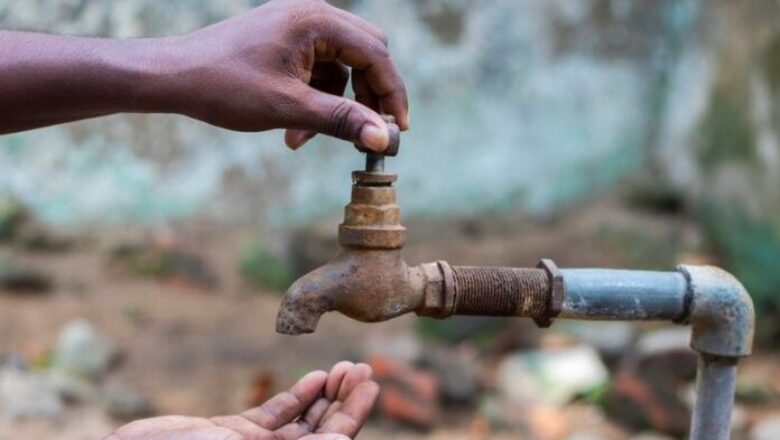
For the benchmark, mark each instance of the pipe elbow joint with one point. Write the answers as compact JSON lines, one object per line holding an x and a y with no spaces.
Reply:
{"x":721,"y":312}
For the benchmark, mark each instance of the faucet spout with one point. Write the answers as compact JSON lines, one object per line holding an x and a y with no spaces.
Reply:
{"x":363,"y":284}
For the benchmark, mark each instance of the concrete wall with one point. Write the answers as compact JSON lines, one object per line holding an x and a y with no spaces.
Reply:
{"x":530,"y":104}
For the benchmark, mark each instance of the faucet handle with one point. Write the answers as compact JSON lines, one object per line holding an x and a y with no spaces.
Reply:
{"x":395,"y":139}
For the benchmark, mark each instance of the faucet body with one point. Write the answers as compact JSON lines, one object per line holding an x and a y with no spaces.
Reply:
{"x":369,"y":281}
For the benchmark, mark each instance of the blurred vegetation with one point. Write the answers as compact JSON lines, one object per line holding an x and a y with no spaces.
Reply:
{"x":482,"y":331}
{"x":750,"y":249}
{"x":260,"y":267}
{"x":641,"y":250}
{"x":12,"y":215}
{"x":726,"y":130}
{"x":772,"y":65}
{"x":164,"y":263}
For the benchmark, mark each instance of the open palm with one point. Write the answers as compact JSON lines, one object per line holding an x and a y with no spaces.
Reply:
{"x":320,"y":406}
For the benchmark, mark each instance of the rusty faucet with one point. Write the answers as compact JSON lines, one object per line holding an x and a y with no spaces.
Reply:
{"x":369,"y":281}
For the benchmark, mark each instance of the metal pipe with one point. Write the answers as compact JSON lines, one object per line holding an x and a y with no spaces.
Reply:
{"x":715,"y":385}
{"x":610,"y":294}
{"x":375,"y":163}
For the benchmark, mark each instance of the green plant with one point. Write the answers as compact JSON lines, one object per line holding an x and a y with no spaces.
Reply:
{"x":260,"y":267}
{"x":750,"y":249}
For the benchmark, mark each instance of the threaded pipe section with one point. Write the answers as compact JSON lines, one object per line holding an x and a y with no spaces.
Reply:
{"x":501,"y":291}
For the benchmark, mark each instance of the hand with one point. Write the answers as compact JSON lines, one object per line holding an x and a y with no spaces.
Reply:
{"x":320,"y":406}
{"x":286,"y":65}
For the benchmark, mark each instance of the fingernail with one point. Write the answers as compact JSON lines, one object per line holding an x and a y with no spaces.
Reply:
{"x":374,"y":137}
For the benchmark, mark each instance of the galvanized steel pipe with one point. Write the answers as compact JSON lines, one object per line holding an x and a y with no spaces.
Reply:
{"x":609,"y":294}
{"x":715,"y":385}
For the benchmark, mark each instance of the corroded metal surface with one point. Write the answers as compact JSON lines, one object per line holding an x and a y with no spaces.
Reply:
{"x":716,"y":380}
{"x":364,"y":284}
{"x":500,"y":291}
{"x":721,"y":312}
{"x":372,"y":219}
{"x":368,"y":281}
{"x":557,"y":292}
{"x":615,"y":294}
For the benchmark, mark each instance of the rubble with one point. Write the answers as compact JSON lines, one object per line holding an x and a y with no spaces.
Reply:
{"x":82,"y":351}
{"x":22,"y":279}
{"x":767,"y":429}
{"x":123,"y":403}
{"x":408,"y":395}
{"x":638,"y":402}
{"x":27,"y":394}
{"x":163,"y":259}
{"x":457,"y":373}
{"x":552,"y":376}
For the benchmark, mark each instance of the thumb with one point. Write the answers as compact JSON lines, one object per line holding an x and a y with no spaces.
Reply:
{"x":342,"y":118}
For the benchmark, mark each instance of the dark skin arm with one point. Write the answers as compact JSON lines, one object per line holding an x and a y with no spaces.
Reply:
{"x":285,"y":64}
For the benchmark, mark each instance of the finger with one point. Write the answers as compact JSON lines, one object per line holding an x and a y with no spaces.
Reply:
{"x":359,"y":50}
{"x":355,"y":376}
{"x":339,"y":117}
{"x":363,"y":92}
{"x":314,"y":415}
{"x":286,"y":406}
{"x":364,"y":25}
{"x":306,"y":425}
{"x":335,"y":377}
{"x":353,"y":412}
{"x":295,"y":139}
{"x":332,"y":409}
{"x":330,"y":77}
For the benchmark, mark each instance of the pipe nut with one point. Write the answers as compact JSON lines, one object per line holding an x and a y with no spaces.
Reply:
{"x":438,"y":300}
{"x":557,"y":292}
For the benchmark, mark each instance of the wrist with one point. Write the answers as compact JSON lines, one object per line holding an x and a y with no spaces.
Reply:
{"x":150,"y":74}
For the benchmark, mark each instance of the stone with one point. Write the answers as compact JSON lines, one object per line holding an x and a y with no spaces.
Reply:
{"x":71,"y":388}
{"x":457,"y":373}
{"x":610,"y":338}
{"x":27,"y":394}
{"x":552,"y":376}
{"x":403,"y":347}
{"x":639,"y":402}
{"x":82,"y":351}
{"x":766,"y":429}
{"x":123,"y":403}
{"x":408,"y":395}
{"x":585,"y":435}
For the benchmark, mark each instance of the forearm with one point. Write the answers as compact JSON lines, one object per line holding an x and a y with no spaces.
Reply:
{"x":50,"y":79}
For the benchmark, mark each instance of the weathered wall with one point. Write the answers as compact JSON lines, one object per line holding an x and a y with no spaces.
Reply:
{"x":514,"y":103}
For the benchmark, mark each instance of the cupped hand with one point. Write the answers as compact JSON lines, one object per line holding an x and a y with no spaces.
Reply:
{"x":286,"y":64}
{"x":320,"y":406}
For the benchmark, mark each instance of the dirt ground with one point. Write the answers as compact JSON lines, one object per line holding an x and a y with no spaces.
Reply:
{"x":196,"y":352}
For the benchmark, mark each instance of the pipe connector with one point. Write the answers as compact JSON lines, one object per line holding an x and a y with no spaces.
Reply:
{"x":721,"y":313}
{"x":536,"y":293}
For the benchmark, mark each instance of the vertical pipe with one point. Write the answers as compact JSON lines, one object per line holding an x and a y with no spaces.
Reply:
{"x":715,"y":385}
